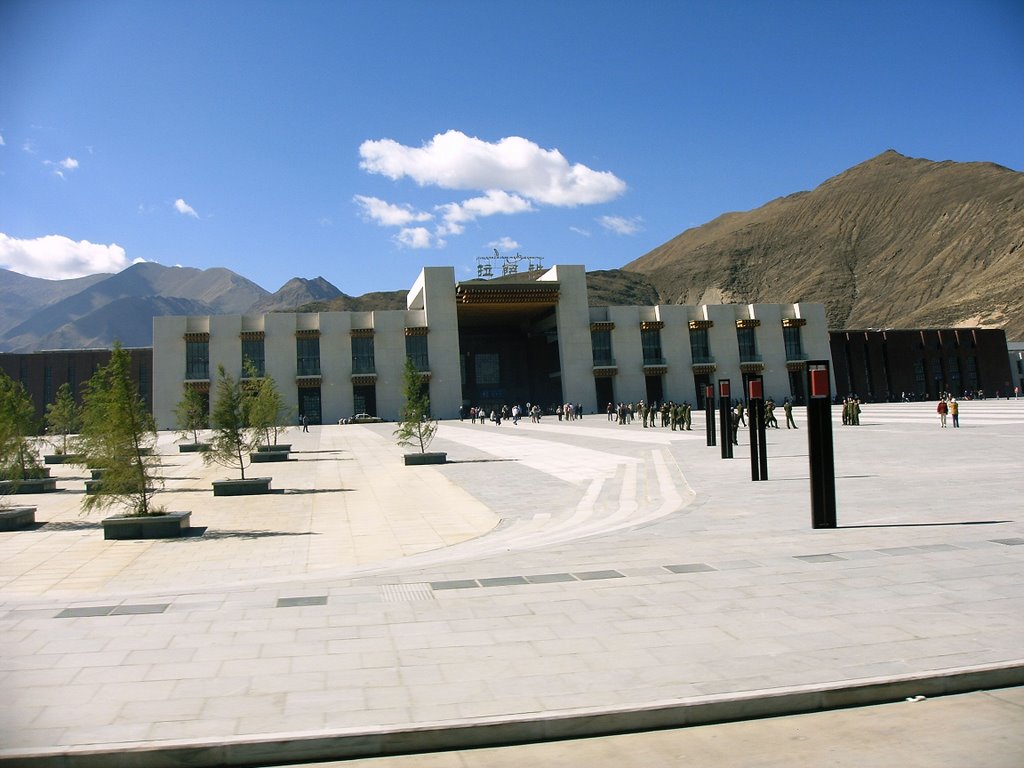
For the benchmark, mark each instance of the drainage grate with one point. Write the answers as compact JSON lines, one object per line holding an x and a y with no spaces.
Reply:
{"x":593,"y":575}
{"x":406,"y":593}
{"x":690,"y":568}
{"x":111,"y":610}
{"x":826,"y":558}
{"x":296,"y":602}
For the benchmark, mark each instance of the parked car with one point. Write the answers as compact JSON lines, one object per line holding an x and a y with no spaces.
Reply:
{"x":362,"y":418}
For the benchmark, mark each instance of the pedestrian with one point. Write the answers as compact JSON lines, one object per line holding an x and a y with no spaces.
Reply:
{"x":787,"y":406}
{"x":942,"y":409}
{"x":954,"y":411}
{"x":305,"y":423}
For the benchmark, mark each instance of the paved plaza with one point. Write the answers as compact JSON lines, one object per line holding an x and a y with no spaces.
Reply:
{"x":551,"y":580}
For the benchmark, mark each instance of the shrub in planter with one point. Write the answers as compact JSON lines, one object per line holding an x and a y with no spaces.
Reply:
{"x":233,"y":437}
{"x":63,"y":419}
{"x":18,"y":462}
{"x":190,"y":418}
{"x":416,"y":428}
{"x":118,"y":434}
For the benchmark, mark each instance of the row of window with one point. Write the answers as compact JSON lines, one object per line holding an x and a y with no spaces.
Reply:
{"x":700,"y":347}
{"x":307,"y":356}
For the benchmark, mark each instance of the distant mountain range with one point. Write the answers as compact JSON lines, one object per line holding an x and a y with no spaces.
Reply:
{"x":94,"y":311}
{"x":892,"y":242}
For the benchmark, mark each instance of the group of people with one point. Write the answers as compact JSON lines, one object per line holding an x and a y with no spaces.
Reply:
{"x":851,"y":411}
{"x":948,"y":406}
{"x":668,"y":414}
{"x":503,"y":413}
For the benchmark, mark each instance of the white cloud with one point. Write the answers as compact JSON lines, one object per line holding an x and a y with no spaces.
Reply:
{"x":620,"y":225}
{"x":579,"y":231}
{"x":453,"y":160}
{"x":415,"y":237}
{"x":504,"y":244}
{"x":185,"y":209}
{"x":494,"y":201}
{"x":29,"y":146}
{"x":67,"y":164}
{"x":2,"y":142}
{"x":387,"y":214}
{"x":56,"y":257}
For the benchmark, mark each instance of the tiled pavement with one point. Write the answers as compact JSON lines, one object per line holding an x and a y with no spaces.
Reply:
{"x":551,"y":579}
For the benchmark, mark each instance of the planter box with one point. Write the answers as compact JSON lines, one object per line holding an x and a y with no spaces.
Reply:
{"x":61,"y":458}
{"x":415,"y":459}
{"x":169,"y":526}
{"x":286,"y":447}
{"x":249,"y":487}
{"x":193,"y":447}
{"x":38,"y":485}
{"x":17,"y":517}
{"x":264,"y":456}
{"x":97,"y":474}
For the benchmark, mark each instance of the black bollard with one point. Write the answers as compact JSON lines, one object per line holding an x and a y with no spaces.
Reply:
{"x":709,"y":414}
{"x":758,"y":440}
{"x":724,"y":419}
{"x":819,"y":443}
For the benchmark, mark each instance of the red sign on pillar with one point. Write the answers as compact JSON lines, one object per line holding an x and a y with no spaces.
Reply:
{"x":723,"y":390}
{"x":819,"y":383}
{"x":755,"y":390}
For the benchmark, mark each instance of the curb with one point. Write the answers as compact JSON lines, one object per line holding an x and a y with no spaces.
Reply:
{"x":307,"y":746}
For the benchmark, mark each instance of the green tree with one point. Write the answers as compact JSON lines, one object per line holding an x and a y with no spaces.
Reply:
{"x":17,"y":425}
{"x":267,"y":410}
{"x":118,"y":434}
{"x":415,"y":426}
{"x":233,"y":436}
{"x":190,"y":414}
{"x":63,"y":417}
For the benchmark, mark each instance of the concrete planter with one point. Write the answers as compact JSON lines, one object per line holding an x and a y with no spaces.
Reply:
{"x":193,"y":447}
{"x":415,"y":459}
{"x":285,"y":447}
{"x":264,"y":456}
{"x":17,"y":517}
{"x":36,"y":485}
{"x":61,"y":458}
{"x":249,"y":487}
{"x":169,"y":526}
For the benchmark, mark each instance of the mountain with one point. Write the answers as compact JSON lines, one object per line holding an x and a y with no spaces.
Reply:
{"x":21,"y":295}
{"x":125,"y":303}
{"x":295,"y":293}
{"x":892,"y":242}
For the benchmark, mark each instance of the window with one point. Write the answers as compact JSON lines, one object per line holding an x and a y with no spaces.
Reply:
{"x":488,"y":369}
{"x":47,"y":384}
{"x":650,"y":340}
{"x":416,"y":350}
{"x":601,"y":344}
{"x":307,"y":356}
{"x":919,"y":376}
{"x":197,"y":359}
{"x":362,"y":355}
{"x":253,"y":352}
{"x":700,"y":348}
{"x":747,"y":343}
{"x":794,"y":346}
{"x":144,"y":383}
{"x":953,"y":374}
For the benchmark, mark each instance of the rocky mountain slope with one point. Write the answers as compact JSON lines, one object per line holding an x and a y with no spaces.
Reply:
{"x":892,"y":242}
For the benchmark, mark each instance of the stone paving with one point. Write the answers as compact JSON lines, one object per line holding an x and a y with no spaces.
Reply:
{"x":548,"y":571}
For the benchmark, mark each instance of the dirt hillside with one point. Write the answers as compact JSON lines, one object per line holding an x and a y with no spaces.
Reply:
{"x":892,"y":242}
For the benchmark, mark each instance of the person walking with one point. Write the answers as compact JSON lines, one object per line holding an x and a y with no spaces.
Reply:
{"x":305,"y":423}
{"x":787,"y":406}
{"x":942,"y":409}
{"x":954,"y":411}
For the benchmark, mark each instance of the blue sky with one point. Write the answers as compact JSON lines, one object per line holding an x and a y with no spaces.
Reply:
{"x":362,"y":140}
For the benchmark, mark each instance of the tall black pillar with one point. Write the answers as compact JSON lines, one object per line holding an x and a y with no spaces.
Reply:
{"x":758,"y":440}
{"x":724,"y":419}
{"x":819,"y":443}
{"x":709,"y":414}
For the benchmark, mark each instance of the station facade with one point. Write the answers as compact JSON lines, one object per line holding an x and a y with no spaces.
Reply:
{"x":490,"y":343}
